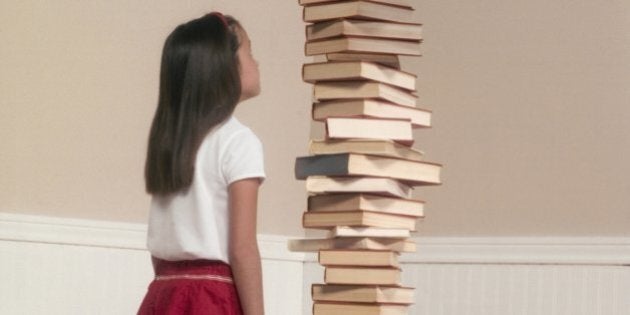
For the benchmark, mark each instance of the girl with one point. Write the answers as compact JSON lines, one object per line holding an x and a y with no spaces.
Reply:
{"x":203,"y":170}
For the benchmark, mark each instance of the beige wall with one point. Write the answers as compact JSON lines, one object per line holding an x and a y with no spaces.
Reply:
{"x":532,"y":116}
{"x":530,"y":101}
{"x":78,"y":91}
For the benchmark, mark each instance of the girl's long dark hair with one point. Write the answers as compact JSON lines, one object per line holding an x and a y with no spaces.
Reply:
{"x":199,"y":88}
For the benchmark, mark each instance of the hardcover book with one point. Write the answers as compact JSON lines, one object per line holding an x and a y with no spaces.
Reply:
{"x":353,"y":231}
{"x":399,"y":130}
{"x":321,"y":308}
{"x":372,"y":147}
{"x":373,"y":185}
{"x":358,"y":9}
{"x":401,"y":3}
{"x":362,"y":294}
{"x":355,"y":70}
{"x":368,"y":243}
{"x":318,"y":220}
{"x":324,"y":91}
{"x":367,"y":202}
{"x":419,"y":118}
{"x":387,"y":60}
{"x":357,"y":44}
{"x":361,"y":275}
{"x":358,"y":258}
{"x":350,"y":27}
{"x":351,"y":164}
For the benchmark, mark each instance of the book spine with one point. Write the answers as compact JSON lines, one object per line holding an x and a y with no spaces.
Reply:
{"x":327,"y":165}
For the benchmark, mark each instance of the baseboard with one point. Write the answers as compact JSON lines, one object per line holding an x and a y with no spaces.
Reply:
{"x":492,"y":250}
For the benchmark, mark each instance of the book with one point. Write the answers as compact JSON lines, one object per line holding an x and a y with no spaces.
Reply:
{"x":352,"y":164}
{"x":321,"y":308}
{"x":357,"y":9}
{"x":361,"y":258}
{"x":354,"y":70}
{"x":420,"y":118}
{"x":362,"y":294}
{"x":349,"y":27}
{"x":373,"y":147}
{"x":387,"y":60}
{"x":323,"y":91}
{"x":361,"y":275}
{"x":367,"y":243}
{"x":353,"y":231}
{"x":402,"y":3}
{"x":373,"y":185}
{"x":399,"y":130}
{"x":367,"y":202}
{"x":328,"y":219}
{"x":362,"y":44}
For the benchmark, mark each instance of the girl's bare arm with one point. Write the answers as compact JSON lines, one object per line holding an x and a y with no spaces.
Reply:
{"x":243,"y":251}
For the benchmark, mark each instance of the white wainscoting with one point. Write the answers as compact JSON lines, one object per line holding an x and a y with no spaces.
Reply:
{"x":67,"y":266}
{"x":538,"y":276}
{"x":509,"y":276}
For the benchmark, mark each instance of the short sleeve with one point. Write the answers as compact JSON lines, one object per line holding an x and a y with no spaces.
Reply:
{"x":243,"y":157}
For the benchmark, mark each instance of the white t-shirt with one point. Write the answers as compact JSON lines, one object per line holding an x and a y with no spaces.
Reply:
{"x":193,"y":224}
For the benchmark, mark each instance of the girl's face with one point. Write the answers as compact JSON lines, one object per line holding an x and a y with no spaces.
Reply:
{"x":250,"y":78}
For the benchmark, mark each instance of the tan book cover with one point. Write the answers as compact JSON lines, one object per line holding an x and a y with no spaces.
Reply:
{"x":362,"y":294}
{"x":352,"y":164}
{"x":355,"y":70}
{"x":358,"y":9}
{"x":369,"y":243}
{"x":373,"y":185}
{"x":328,"y":219}
{"x":327,"y":308}
{"x":402,"y":3}
{"x":350,"y":27}
{"x":344,"y":90}
{"x":361,"y":275}
{"x":365,"y":146}
{"x":354,"y":231}
{"x":359,"y":258}
{"x":367,"y":202}
{"x":420,"y":118}
{"x":398,"y":130}
{"x":356,"y":44}
{"x":387,"y":60}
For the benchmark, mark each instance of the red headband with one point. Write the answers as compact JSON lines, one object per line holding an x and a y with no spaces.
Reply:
{"x":221,"y":17}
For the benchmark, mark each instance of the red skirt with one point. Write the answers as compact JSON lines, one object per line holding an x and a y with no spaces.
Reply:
{"x":194,"y":287}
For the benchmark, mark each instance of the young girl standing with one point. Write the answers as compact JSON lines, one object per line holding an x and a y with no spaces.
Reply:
{"x":203,"y":170}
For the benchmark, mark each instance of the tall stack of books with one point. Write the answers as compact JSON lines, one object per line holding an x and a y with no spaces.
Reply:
{"x":361,"y":176}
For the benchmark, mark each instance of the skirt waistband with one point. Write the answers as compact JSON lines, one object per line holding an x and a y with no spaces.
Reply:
{"x":201,"y":269}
